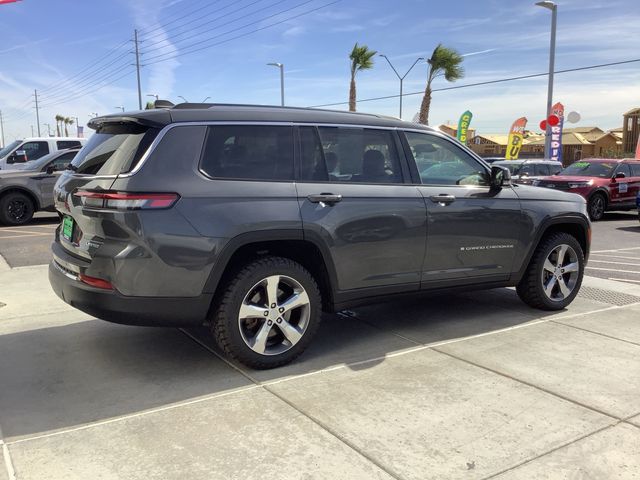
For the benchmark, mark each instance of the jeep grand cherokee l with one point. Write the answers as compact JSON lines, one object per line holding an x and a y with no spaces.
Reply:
{"x":253,"y":220}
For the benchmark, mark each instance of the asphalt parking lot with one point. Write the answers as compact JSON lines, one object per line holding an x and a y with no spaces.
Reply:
{"x":472,"y":386}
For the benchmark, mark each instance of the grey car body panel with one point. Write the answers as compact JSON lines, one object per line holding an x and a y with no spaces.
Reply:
{"x":38,"y":185}
{"x":378,"y":241}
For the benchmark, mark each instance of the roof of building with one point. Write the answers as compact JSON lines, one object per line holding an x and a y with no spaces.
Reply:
{"x":568,"y":138}
{"x":633,"y":111}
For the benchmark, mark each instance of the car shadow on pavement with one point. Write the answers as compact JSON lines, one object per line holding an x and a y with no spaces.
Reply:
{"x":65,"y":376}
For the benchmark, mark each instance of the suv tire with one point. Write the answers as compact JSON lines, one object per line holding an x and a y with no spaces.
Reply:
{"x":267,"y":313}
{"x":596,"y":206}
{"x":554,"y":275}
{"x":16,"y":208}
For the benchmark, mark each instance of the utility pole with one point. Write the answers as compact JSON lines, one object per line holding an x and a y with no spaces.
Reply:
{"x":401,"y":78}
{"x":2,"y":128}
{"x":135,"y":39}
{"x":35,"y":92}
{"x":77,"y":127}
{"x":32,"y":131}
{"x":549,"y":5}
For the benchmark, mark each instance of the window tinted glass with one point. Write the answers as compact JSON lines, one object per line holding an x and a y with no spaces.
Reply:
{"x":62,"y":161}
{"x":440,"y":162}
{"x":624,"y":168}
{"x":360,"y":155}
{"x":542,"y":170}
{"x":526,"y":170}
{"x":312,"y":164}
{"x":35,"y":150}
{"x":635,"y":169}
{"x":589,"y":169}
{"x":5,"y":151}
{"x":114,"y":149}
{"x":253,"y":152}
{"x":64,"y":144}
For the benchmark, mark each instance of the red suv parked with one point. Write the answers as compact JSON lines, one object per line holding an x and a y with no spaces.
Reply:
{"x":606,"y":184}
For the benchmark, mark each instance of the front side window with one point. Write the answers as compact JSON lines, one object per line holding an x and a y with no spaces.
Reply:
{"x":440,"y":162}
{"x":62,"y":161}
{"x":35,"y":150}
{"x":357,"y":155}
{"x":542,"y":170}
{"x":635,"y":169}
{"x":6,"y":150}
{"x":251,"y":152}
{"x":624,"y":168}
{"x":526,"y":170}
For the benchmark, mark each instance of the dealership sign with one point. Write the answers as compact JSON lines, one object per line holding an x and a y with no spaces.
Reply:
{"x":516,"y":134}
{"x":463,"y":126}
{"x":556,"y":133}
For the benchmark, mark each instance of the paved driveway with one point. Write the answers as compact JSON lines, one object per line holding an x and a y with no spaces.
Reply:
{"x":468,"y":386}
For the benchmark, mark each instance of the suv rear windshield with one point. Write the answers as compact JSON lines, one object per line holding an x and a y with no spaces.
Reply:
{"x":114,"y":149}
{"x":589,"y":169}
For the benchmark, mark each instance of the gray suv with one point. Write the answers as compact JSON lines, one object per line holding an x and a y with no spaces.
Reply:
{"x":253,"y":220}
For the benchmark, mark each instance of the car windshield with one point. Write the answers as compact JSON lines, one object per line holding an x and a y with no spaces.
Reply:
{"x":5,"y":151}
{"x":589,"y":169}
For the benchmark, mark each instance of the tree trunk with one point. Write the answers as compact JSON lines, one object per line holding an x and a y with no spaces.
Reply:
{"x":58,"y":128}
{"x":424,"y":107}
{"x":66,"y":130}
{"x":352,"y":94}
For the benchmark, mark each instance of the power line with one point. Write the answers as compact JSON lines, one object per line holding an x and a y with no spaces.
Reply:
{"x":89,"y":66}
{"x":307,"y":12}
{"x":193,"y":35}
{"x":489,"y":82}
{"x":209,"y":4}
{"x":186,"y":24}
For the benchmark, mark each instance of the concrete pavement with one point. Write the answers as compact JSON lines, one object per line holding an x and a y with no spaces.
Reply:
{"x":469,"y":386}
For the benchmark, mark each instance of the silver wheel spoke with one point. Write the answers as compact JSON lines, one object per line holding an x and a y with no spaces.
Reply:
{"x":251,"y":311}
{"x":289,"y":331}
{"x":294,"y":301}
{"x":259,"y":343}
{"x":272,"y":289}
{"x":562,"y":250}
{"x":563,"y":288}
{"x":548,"y":288}
{"x":548,"y":266}
{"x":571,"y":267}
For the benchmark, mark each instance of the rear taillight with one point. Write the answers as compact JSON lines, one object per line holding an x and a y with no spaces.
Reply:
{"x":95,"y":282}
{"x":126,"y":201}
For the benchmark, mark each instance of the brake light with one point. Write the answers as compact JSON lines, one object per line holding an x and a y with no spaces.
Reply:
{"x":95,"y":282}
{"x":126,"y":201}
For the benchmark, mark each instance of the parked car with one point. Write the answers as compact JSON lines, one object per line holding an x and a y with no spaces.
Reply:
{"x":21,"y":151}
{"x":493,"y":159}
{"x":606,"y":184}
{"x":638,"y":204}
{"x":253,"y":220}
{"x":526,"y":171}
{"x":30,"y":189}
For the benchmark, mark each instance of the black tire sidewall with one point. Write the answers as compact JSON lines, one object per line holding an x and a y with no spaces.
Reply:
{"x":4,"y":206}
{"x":246,"y":279}
{"x":594,"y":197}
{"x":544,"y":252}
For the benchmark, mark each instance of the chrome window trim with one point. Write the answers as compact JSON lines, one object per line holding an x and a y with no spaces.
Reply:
{"x":170,"y":126}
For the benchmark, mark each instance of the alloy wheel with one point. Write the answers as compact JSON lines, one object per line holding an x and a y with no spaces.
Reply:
{"x":274,"y":315}
{"x":17,"y":210}
{"x":596,"y":209}
{"x":560,"y":272}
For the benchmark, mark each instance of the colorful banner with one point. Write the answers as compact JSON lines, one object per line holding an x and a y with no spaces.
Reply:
{"x":463,"y":126}
{"x":556,"y":133}
{"x":516,"y":134}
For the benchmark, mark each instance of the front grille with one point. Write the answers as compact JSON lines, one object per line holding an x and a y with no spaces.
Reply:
{"x":555,"y":185}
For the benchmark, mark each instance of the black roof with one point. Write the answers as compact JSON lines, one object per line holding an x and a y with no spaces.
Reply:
{"x":211,"y":112}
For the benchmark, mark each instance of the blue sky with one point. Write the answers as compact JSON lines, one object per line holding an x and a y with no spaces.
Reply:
{"x":48,"y":45}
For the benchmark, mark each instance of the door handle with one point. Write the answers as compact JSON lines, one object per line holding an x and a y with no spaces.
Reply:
{"x":328,"y":198}
{"x":443,"y":199}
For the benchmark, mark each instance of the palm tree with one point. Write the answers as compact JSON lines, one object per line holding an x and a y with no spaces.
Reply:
{"x":149,"y":106}
{"x":361,"y":59}
{"x":445,"y":62}
{"x":67,"y":122}
{"x":59,"y":119}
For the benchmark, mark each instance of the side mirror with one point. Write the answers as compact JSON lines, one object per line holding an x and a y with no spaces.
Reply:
{"x":620,"y":175}
{"x":500,"y":176}
{"x":50,"y":169}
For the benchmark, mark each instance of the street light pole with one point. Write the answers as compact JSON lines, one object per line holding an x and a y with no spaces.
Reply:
{"x":185,"y":100}
{"x":401,"y":78}
{"x":552,"y":57}
{"x":281,"y":67}
{"x":121,"y":107}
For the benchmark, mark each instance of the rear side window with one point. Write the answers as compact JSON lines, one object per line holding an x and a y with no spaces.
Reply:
{"x":114,"y":149}
{"x":64,"y":144}
{"x":249,"y":152}
{"x":354,"y":155}
{"x":635,"y":169}
{"x":542,"y":169}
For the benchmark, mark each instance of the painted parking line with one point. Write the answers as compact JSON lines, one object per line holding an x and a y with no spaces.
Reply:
{"x":614,"y":263}
{"x":624,"y":280}
{"x":617,"y":256}
{"x":20,"y":230}
{"x":2,"y":237}
{"x":612,"y":270}
{"x":617,"y":250}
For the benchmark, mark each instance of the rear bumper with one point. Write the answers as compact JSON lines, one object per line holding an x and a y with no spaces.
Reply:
{"x":115,"y":307}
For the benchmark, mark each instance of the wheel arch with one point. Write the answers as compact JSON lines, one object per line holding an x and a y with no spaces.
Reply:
{"x":292,"y":244}
{"x":15,"y":188}
{"x":575,"y":225}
